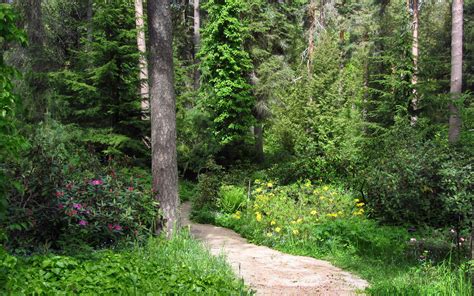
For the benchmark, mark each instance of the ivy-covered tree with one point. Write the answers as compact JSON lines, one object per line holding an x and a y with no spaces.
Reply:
{"x":226,"y":92}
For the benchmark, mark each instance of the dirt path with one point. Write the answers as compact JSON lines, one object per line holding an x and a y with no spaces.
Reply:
{"x":270,"y":272}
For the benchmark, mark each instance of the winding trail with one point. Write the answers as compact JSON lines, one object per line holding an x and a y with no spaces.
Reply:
{"x":271,"y":272}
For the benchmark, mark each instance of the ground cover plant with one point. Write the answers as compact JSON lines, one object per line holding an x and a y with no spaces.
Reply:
{"x":145,"y":270}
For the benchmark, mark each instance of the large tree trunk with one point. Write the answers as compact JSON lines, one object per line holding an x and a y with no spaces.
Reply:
{"x":140,"y":25}
{"x":456,"y":70}
{"x":163,"y":114}
{"x":415,"y":55}
{"x":197,"y":43}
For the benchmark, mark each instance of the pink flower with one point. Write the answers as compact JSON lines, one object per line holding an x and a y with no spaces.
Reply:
{"x":110,"y":227}
{"x":59,"y":194}
{"x":61,"y":206}
{"x":461,"y":239}
{"x":130,"y":188}
{"x":97,"y":182}
{"x":77,"y":206}
{"x":117,"y":227}
{"x":83,"y":222}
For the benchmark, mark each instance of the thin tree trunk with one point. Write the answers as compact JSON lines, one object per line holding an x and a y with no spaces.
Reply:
{"x":312,"y":30}
{"x":141,"y":43}
{"x":258,"y":133}
{"x":35,"y":32}
{"x":90,"y":13}
{"x":456,"y":70}
{"x":415,"y":55}
{"x":197,"y":43}
{"x":163,"y":114}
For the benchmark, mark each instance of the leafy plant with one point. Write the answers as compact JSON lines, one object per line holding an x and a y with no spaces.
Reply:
{"x":231,"y":198}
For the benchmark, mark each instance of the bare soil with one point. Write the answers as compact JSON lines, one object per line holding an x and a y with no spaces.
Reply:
{"x":270,"y":272}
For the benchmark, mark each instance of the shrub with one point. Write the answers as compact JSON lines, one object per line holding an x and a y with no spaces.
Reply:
{"x":231,"y":198}
{"x":105,"y":210}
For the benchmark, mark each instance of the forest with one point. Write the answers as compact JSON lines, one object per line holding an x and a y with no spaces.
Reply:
{"x":138,"y":138}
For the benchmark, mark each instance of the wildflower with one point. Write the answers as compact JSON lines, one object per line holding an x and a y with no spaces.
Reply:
{"x":83,"y":222}
{"x":321,"y":197}
{"x":340,"y":213}
{"x":293,"y":222}
{"x":258,"y":190}
{"x":360,"y":204}
{"x":334,"y":215}
{"x":325,"y":188}
{"x":258,"y":216}
{"x":295,"y":231}
{"x":269,"y":234}
{"x":307,"y":184}
{"x":412,"y":240}
{"x":461,"y":239}
{"x":110,"y":227}
{"x":61,"y":206}
{"x":356,"y":200}
{"x":69,"y":186}
{"x":453,"y":231}
{"x":97,"y":182}
{"x":269,"y":184}
{"x":77,"y":206}
{"x":273,"y":222}
{"x":277,"y":229}
{"x":59,"y":194}
{"x":117,"y":227}
{"x":313,"y":212}
{"x":299,"y":220}
{"x":130,"y":188}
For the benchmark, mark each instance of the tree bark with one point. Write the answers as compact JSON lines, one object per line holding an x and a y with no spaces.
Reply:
{"x":197,"y":43}
{"x":456,"y":70}
{"x":163,"y":114}
{"x":258,"y":133}
{"x":143,"y":65}
{"x":35,"y":31}
{"x":415,"y":56}
{"x":312,"y":30}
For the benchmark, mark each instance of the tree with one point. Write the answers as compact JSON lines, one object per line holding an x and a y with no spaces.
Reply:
{"x":415,"y":55}
{"x":141,"y":43}
{"x":456,"y":70}
{"x":163,"y":114}
{"x":225,"y":71}
{"x":197,"y":42}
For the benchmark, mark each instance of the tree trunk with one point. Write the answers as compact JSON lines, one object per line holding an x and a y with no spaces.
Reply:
{"x":312,"y":30}
{"x":456,"y":70}
{"x":140,"y":25}
{"x":35,"y":31}
{"x":163,"y":114}
{"x":258,"y":133}
{"x":415,"y":55}
{"x":197,"y":43}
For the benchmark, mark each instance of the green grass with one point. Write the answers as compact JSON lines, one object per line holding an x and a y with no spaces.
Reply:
{"x":176,"y":267}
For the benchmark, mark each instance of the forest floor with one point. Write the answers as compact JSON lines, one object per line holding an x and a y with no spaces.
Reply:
{"x":270,"y":272}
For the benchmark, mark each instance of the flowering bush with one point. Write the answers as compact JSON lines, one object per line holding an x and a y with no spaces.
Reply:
{"x":104,"y":210}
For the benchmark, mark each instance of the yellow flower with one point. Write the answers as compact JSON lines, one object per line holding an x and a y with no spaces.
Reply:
{"x":269,"y":185}
{"x":361,"y":204}
{"x":332,"y":215}
{"x":258,"y":216}
{"x":293,"y":222}
{"x":356,"y":200}
{"x":295,"y":231}
{"x":273,"y":222}
{"x":321,"y":197}
{"x":340,"y":213}
{"x":258,"y":190}
{"x":313,"y":212}
{"x":269,"y":234}
{"x":361,"y":210}
{"x":307,"y":184}
{"x":277,"y":229}
{"x":325,"y":188}
{"x":299,"y":220}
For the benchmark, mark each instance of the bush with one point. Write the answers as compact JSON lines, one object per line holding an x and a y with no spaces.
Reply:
{"x":205,"y":200}
{"x":105,"y":210}
{"x":231,"y":198}
{"x":146,"y":270}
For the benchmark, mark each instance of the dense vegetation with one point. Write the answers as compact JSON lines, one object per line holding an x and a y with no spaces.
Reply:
{"x":334,"y":129}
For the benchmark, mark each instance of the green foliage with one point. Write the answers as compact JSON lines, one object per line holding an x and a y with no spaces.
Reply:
{"x":145,"y":270}
{"x":99,"y":85}
{"x":231,"y":198}
{"x":225,"y":67}
{"x":187,"y":190}
{"x":205,"y":201}
{"x":10,"y":142}
{"x":105,"y":210}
